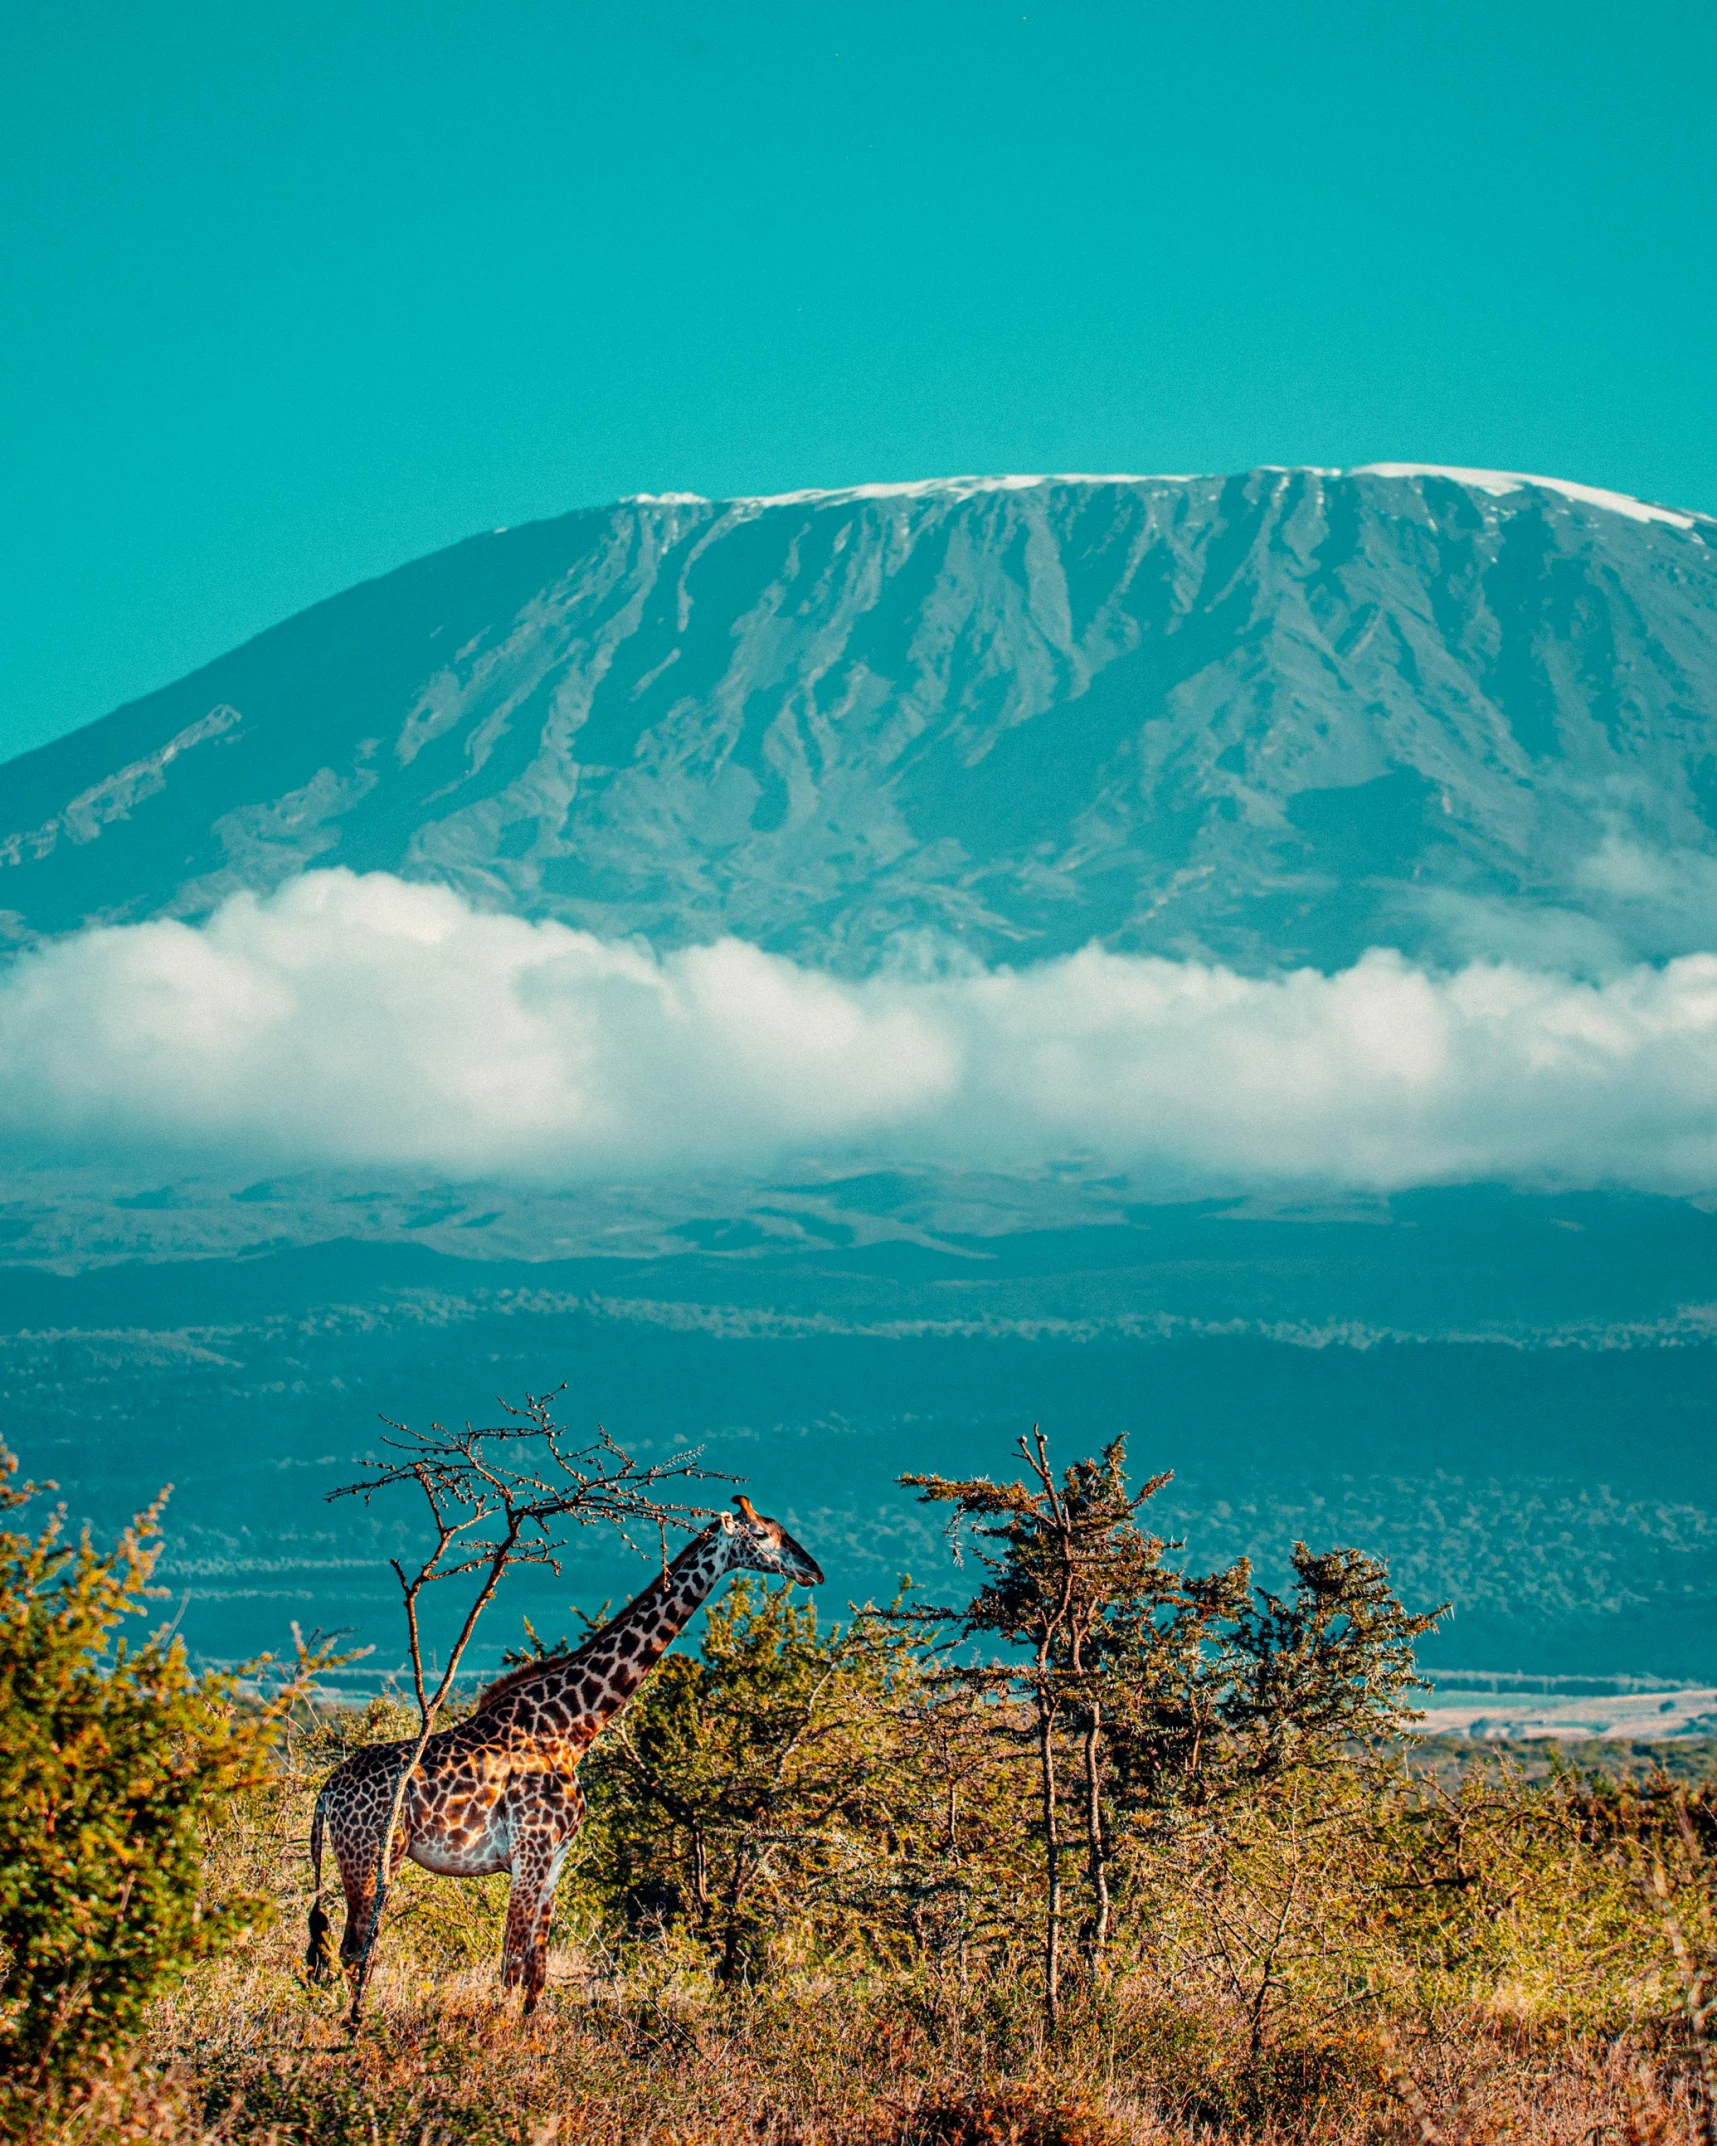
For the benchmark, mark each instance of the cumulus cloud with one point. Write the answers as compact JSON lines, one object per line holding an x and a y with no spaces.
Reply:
{"x":366,"y":1020}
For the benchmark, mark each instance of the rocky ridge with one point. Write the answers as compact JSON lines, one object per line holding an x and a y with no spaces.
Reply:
{"x":1270,"y":718}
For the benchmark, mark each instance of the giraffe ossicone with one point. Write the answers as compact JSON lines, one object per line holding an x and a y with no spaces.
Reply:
{"x":499,"y":1790}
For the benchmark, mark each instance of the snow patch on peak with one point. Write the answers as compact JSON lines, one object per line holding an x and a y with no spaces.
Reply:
{"x":1497,"y":481}
{"x":944,"y":487}
{"x":1494,"y":481}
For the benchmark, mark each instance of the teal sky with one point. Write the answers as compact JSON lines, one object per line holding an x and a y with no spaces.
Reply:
{"x":292,"y":295}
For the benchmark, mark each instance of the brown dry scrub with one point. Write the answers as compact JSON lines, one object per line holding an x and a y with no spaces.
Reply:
{"x":1534,"y":1999}
{"x":821,"y":2069}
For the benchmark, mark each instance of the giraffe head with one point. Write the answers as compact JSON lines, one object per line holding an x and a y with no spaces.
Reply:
{"x":763,"y":1545}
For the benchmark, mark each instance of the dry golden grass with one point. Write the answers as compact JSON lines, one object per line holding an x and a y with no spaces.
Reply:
{"x":1539,"y":2021}
{"x":247,"y":2055}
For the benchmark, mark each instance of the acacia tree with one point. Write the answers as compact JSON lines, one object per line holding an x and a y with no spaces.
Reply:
{"x":1069,"y":1559}
{"x":1180,"y":1686}
{"x":501,"y":1496}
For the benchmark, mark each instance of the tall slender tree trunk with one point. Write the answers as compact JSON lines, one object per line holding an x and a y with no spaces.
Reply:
{"x":727,"y":1971}
{"x":1096,"y":1844}
{"x":1051,"y":1864}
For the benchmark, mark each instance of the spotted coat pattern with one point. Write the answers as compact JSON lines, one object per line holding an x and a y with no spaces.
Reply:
{"x":499,"y":1790}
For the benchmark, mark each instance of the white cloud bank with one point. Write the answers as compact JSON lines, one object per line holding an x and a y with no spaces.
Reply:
{"x":348,"y":1020}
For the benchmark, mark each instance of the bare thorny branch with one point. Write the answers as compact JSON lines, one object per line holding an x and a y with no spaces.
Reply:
{"x":499,"y":1496}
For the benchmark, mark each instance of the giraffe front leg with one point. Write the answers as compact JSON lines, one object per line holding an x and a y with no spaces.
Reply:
{"x":530,"y":1908}
{"x":540,"y":1847}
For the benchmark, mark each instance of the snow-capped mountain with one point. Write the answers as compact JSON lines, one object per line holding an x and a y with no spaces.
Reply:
{"x":1272,"y":717}
{"x":1268,"y":718}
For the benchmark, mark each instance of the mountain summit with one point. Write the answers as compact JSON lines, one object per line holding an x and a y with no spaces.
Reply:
{"x":1271,"y":718}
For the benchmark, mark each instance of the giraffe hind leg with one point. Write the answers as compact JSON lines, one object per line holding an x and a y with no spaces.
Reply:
{"x":358,"y":1856}
{"x":360,"y":1905}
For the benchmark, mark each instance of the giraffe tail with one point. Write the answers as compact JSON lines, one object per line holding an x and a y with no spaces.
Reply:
{"x":318,"y":1954}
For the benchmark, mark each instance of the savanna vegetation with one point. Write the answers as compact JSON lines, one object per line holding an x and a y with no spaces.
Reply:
{"x":1104,"y":1850}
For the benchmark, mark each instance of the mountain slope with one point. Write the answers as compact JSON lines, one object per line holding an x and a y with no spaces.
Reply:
{"x":1274,"y":717}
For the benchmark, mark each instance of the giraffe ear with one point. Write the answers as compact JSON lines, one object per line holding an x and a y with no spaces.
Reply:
{"x":747,"y":1510}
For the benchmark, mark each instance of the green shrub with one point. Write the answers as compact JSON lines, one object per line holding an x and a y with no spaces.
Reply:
{"x":737,"y":1794}
{"x":115,"y":1760}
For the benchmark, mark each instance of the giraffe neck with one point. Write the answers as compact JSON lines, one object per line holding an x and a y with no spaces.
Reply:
{"x":597,"y":1680}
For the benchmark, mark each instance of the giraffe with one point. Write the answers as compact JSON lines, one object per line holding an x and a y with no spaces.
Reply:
{"x":499,"y":1790}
